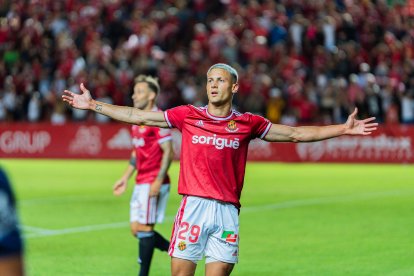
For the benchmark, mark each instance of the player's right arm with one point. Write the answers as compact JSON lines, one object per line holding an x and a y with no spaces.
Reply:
{"x":121,"y":185}
{"x":282,"y":133}
{"x":125,"y":114}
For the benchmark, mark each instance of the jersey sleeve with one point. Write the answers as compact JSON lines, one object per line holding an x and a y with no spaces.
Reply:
{"x":175,"y":116}
{"x":164,"y":135}
{"x":260,"y":126}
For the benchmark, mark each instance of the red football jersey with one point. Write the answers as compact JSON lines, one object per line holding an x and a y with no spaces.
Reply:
{"x":214,"y":150}
{"x":146,"y":142}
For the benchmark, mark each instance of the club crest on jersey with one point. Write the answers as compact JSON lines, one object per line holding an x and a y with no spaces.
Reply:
{"x":182,"y":246}
{"x":232,"y":126}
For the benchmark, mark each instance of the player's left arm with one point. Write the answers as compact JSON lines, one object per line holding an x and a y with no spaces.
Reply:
{"x":125,"y":114}
{"x":167,"y":157}
{"x":283,"y":133}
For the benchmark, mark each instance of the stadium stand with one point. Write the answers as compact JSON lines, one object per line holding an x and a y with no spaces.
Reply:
{"x":299,"y":61}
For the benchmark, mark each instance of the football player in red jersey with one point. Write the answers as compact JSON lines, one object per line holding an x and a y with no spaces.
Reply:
{"x":151,"y":157}
{"x":215,"y":139}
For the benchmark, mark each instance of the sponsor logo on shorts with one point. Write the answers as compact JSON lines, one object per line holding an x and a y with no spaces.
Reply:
{"x":231,"y":244}
{"x":235,"y":253}
{"x":182,"y":245}
{"x":229,"y":236}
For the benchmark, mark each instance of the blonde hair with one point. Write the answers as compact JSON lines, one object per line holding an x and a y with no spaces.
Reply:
{"x":150,"y":80}
{"x":226,"y":67}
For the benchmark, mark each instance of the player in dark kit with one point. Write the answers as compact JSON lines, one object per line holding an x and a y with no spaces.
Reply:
{"x":11,"y":245}
{"x":215,"y":140}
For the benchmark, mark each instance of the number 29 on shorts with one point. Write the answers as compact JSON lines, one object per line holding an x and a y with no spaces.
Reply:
{"x":192,"y":232}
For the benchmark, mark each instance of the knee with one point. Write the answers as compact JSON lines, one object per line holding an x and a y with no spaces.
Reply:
{"x":134,"y":232}
{"x":137,"y":227}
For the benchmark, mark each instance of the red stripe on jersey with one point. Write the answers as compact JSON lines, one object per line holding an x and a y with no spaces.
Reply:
{"x":177,"y":223}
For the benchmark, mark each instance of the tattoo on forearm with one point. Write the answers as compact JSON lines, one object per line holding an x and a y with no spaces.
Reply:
{"x":129,"y":112}
{"x":98,"y":107}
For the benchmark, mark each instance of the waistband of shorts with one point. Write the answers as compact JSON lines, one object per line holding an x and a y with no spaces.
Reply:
{"x":213,"y":199}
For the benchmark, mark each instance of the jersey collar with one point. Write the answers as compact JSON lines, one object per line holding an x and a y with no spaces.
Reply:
{"x":219,"y":118}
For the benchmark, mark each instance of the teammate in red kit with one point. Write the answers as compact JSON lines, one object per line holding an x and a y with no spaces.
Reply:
{"x":151,"y":158}
{"x":215,"y":139}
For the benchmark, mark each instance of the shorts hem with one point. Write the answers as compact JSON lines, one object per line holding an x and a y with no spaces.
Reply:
{"x":187,"y":259}
{"x":212,"y":260}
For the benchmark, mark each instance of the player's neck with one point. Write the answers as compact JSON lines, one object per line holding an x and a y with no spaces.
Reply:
{"x":149,"y":107}
{"x":219,"y":111}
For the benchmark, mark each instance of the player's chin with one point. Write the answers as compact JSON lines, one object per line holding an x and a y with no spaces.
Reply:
{"x":139,"y":105}
{"x":211,"y":97}
{"x":214,"y":99}
{"x":216,"y":103}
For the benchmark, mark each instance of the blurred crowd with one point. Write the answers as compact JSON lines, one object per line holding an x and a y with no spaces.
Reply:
{"x":299,"y":61}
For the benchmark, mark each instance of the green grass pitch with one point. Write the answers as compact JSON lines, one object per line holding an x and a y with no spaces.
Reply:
{"x":296,"y":219}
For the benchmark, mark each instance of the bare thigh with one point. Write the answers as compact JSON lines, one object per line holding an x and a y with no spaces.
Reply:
{"x":218,"y":269}
{"x":181,"y":267}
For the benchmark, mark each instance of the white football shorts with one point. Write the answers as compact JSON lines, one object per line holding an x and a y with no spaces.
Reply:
{"x":205,"y":227}
{"x":145,"y":209}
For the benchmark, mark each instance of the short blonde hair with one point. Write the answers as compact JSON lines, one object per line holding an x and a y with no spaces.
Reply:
{"x":226,"y":67}
{"x":150,"y":80}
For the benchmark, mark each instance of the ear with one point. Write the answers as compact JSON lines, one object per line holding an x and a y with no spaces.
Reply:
{"x":152,"y":96}
{"x":235,"y":88}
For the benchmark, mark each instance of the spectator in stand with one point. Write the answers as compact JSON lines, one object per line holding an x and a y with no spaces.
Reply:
{"x":49,"y":45}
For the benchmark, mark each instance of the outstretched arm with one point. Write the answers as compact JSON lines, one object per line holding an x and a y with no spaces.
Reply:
{"x":282,"y":133}
{"x":125,"y":114}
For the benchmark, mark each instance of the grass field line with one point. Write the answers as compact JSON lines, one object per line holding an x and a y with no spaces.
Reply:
{"x":47,"y":200}
{"x":33,"y":229}
{"x":41,"y":232}
{"x":81,"y":229}
{"x":327,"y":200}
